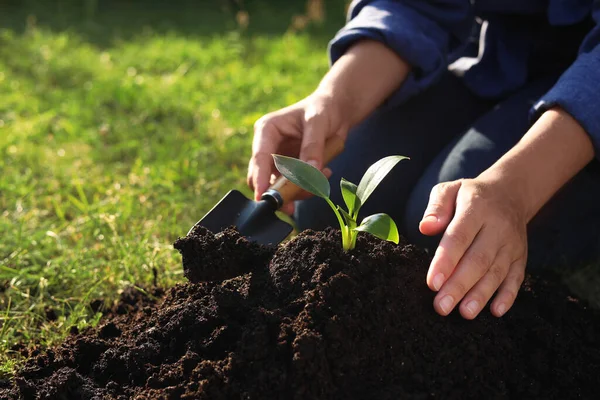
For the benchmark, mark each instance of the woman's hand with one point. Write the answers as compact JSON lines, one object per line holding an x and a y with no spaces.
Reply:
{"x":300,"y":131}
{"x":356,"y":84}
{"x":483,"y":249}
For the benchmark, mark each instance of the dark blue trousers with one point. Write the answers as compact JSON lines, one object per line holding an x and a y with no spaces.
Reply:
{"x":449,"y":133}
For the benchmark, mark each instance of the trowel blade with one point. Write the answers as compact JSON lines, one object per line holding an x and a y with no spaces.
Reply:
{"x":256,"y":220}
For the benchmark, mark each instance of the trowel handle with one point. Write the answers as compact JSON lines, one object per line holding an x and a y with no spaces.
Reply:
{"x":285,"y":191}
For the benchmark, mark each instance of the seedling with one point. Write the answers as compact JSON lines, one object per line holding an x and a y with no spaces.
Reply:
{"x":313,"y":181}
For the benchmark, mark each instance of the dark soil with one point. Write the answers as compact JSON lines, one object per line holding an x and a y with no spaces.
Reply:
{"x":50,"y":314}
{"x":307,"y":321}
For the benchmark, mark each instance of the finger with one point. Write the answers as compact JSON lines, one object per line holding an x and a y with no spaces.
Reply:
{"x":440,"y":208}
{"x":475,"y":263}
{"x":483,"y":290}
{"x":261,"y":172}
{"x":290,"y":146}
{"x":507,"y":293}
{"x":456,"y":240}
{"x":265,"y":143}
{"x":313,"y":138}
{"x":250,"y":175}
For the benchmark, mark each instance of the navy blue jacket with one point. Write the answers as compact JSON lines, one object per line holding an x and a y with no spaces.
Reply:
{"x":435,"y":36}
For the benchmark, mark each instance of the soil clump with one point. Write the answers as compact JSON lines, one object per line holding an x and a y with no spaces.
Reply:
{"x":309,"y":321}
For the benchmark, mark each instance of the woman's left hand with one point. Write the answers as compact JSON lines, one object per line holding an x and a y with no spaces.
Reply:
{"x":484,"y":247}
{"x":483,"y":250}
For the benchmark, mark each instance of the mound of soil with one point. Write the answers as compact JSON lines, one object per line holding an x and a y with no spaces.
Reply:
{"x":308,"y":321}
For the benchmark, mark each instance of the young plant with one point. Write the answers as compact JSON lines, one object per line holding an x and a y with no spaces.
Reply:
{"x":313,"y":181}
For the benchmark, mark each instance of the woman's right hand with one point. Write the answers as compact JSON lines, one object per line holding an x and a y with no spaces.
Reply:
{"x":358,"y":82}
{"x":299,"y":131}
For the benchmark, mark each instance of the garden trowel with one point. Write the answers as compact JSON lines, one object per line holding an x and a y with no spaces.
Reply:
{"x":256,"y":220}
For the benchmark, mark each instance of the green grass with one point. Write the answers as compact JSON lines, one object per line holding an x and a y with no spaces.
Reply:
{"x":120,"y":126}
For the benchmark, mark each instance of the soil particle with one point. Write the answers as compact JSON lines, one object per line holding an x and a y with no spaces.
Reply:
{"x":97,"y":305}
{"x":308,"y":321}
{"x":19,"y":348}
{"x":108,"y":331}
{"x":133,"y":299}
{"x":50,"y":313}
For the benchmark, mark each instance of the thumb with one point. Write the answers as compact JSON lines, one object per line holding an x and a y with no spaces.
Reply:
{"x":313,"y":140}
{"x":439,"y":212}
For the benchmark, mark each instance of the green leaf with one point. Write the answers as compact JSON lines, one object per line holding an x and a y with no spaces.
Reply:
{"x":303,"y":174}
{"x":350,"y":198}
{"x":375,"y":175}
{"x":381,"y":226}
{"x":347,"y":217}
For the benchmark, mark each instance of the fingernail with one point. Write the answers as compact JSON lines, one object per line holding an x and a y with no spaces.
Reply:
{"x":446,"y":304}
{"x":438,"y":281}
{"x":473,"y":307}
{"x":431,"y":219}
{"x":314,"y":163}
{"x":501,"y":309}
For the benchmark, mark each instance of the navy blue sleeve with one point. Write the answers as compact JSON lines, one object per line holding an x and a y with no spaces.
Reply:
{"x":425,"y":34}
{"x":578,"y":89}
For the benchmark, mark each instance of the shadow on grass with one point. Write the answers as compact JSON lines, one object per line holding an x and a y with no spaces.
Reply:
{"x":102,"y":22}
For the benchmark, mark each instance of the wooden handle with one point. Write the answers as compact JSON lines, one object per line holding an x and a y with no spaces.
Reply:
{"x":289,"y":191}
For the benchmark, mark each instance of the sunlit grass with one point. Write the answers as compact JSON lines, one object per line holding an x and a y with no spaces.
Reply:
{"x":110,"y":152}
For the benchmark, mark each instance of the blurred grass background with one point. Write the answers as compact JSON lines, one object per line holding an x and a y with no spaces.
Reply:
{"x":121,"y":124}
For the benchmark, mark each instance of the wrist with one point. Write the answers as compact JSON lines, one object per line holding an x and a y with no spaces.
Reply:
{"x":512,"y":187}
{"x":333,"y":107}
{"x":552,"y":152}
{"x":337,"y":102}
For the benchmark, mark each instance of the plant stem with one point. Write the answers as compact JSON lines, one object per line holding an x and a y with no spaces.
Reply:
{"x":353,"y":233}
{"x":353,"y":236}
{"x":346,"y":238}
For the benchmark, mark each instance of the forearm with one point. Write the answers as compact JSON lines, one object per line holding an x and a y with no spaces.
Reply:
{"x":552,"y":152}
{"x":360,"y":81}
